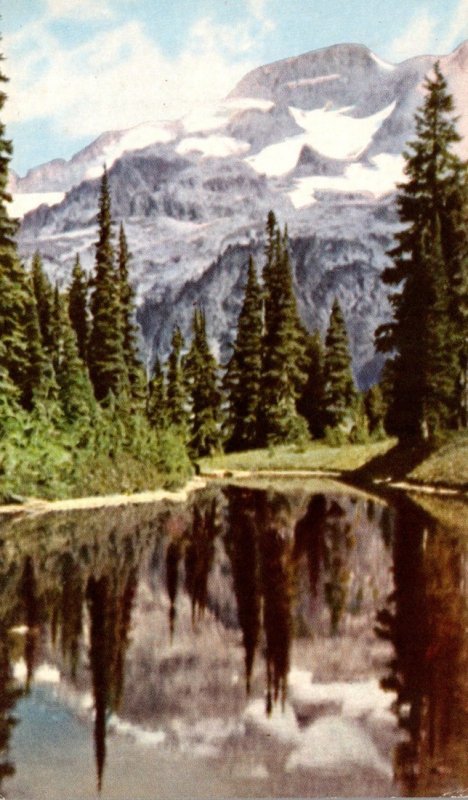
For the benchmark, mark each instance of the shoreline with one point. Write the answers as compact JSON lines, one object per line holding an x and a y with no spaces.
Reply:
{"x":36,"y":506}
{"x":343,"y":476}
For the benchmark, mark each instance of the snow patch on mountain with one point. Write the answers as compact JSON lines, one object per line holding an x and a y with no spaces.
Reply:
{"x":248,"y":104}
{"x":24,"y":202}
{"x":134,"y":139}
{"x":334,"y":134}
{"x":330,"y":132}
{"x":384,"y":64}
{"x":213,"y":146}
{"x":313,"y":81}
{"x":378,"y":179}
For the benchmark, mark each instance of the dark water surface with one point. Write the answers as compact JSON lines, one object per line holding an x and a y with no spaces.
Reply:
{"x":259,"y":641}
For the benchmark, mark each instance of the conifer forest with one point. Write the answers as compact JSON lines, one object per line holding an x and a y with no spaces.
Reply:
{"x":74,"y":390}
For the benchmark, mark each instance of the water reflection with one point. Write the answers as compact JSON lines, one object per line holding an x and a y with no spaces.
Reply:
{"x":155,"y":611}
{"x":425,"y":618}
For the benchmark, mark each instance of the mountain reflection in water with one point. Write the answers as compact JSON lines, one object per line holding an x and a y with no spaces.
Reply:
{"x":267,"y":629}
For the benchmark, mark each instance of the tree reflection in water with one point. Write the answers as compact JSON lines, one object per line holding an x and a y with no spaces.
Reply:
{"x":264,"y":546}
{"x":426,"y":621}
{"x":9,"y":695}
{"x":241,"y":543}
{"x":110,"y":600}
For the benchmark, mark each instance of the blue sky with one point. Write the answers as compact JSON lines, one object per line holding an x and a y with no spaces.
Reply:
{"x":81,"y":67}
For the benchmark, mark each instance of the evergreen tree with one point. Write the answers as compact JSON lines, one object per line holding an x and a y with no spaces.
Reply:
{"x":428,"y":331}
{"x":129,"y":328}
{"x":105,"y":347}
{"x":243,"y":376}
{"x":283,"y":343}
{"x":39,"y":386}
{"x":156,"y":404}
{"x":14,"y":289}
{"x":75,"y":390}
{"x":176,"y":393}
{"x":311,"y":401}
{"x":205,"y":399}
{"x":375,"y":407}
{"x":78,"y":307}
{"x":339,"y":390}
{"x":44,"y":296}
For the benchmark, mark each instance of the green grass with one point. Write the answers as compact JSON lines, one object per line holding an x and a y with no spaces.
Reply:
{"x":363,"y":463}
{"x":314,"y":456}
{"x":448,"y":465}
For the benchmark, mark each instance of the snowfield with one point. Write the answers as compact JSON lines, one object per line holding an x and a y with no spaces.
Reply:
{"x":212,"y":146}
{"x":330,"y":132}
{"x":28,"y":201}
{"x":378,"y":179}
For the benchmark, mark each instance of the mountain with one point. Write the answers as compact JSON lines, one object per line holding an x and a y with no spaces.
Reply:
{"x":318,"y":138}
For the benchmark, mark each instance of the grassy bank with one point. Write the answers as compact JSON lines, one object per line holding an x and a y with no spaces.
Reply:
{"x":446,"y":466}
{"x":315,"y":456}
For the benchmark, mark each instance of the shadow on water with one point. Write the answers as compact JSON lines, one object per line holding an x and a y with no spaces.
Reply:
{"x":308,"y":580}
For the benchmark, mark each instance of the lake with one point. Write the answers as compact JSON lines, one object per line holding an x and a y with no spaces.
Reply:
{"x":289,"y":639}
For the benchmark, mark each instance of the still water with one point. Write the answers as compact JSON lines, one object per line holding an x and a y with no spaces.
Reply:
{"x":293,"y":639}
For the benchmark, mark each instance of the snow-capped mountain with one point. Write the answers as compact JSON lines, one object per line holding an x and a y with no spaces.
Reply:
{"x":318,"y":138}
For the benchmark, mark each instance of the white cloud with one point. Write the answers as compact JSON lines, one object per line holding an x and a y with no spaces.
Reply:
{"x":428,"y":34}
{"x":259,"y":10}
{"x":457,"y":28}
{"x":211,"y":36}
{"x":118,"y":77}
{"x":416,"y":39}
{"x":83,"y":9}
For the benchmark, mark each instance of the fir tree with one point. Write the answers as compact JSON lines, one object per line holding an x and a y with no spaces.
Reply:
{"x":39,"y":386}
{"x":243,"y":376}
{"x":375,"y":407}
{"x":129,"y":327}
{"x":105,"y":347}
{"x":201,"y":375}
{"x":78,"y":307}
{"x":156,"y":404}
{"x":44,"y":296}
{"x":176,"y":394}
{"x":339,"y":390}
{"x":14,"y":290}
{"x":428,"y":331}
{"x":311,"y":401}
{"x":283,"y":358}
{"x":75,"y":390}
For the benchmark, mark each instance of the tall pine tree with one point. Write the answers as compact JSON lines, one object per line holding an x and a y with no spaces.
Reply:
{"x":75,"y":392}
{"x":200,"y":370}
{"x":105,"y":347}
{"x":78,"y":307}
{"x":339,"y":391}
{"x":176,"y":393}
{"x":156,"y":402}
{"x":311,"y":401}
{"x":283,"y":347}
{"x":242,"y":380}
{"x":15,"y":294}
{"x":44,"y":295}
{"x":428,"y":333}
{"x":129,"y":327}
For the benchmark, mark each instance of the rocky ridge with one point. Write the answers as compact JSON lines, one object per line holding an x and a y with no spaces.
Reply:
{"x":318,"y":138}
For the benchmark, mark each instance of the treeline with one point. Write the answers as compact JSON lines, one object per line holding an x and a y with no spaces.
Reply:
{"x":281,"y":383}
{"x":78,"y":412}
{"x":72,"y":388}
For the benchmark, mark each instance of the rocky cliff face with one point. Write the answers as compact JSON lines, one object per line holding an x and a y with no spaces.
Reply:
{"x":317,"y":138}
